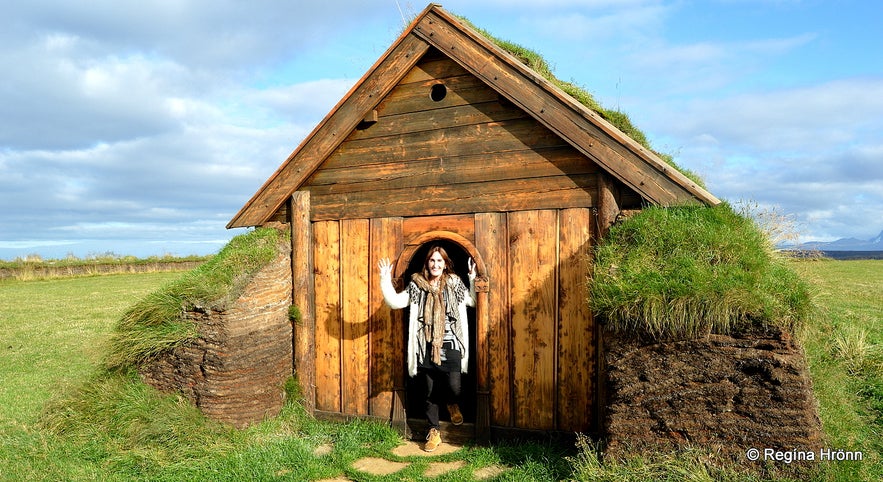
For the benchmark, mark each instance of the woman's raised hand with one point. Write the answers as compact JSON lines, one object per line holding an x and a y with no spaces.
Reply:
{"x":385,"y":267}
{"x":471,"y":264}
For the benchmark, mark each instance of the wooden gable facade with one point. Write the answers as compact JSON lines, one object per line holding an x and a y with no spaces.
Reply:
{"x":448,"y":139}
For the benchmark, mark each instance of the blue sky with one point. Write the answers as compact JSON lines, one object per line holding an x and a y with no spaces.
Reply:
{"x":142,"y":127}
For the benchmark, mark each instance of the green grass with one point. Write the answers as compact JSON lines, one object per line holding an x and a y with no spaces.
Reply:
{"x":844,"y":347}
{"x":684,"y":272}
{"x":53,"y":336}
{"x":63,"y":418}
{"x":686,"y":465}
{"x":54,"y":333}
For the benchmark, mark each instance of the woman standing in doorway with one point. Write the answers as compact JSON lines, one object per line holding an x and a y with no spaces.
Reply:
{"x":438,"y":332}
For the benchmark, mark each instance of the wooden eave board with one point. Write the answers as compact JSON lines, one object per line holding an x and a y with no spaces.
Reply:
{"x":615,"y":152}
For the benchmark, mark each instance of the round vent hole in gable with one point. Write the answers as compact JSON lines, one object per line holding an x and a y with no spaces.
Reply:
{"x":438,"y":92}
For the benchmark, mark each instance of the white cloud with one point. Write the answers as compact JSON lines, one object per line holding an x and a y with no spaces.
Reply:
{"x":824,"y":115}
{"x":61,"y":102}
{"x":301,"y":102}
{"x":214,"y":34}
{"x":696,"y":69}
{"x":661,"y":55}
{"x":823,"y":207}
{"x":619,"y":20}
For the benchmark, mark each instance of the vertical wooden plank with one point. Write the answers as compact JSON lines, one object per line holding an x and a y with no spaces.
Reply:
{"x":533,"y":240}
{"x":354,"y":260}
{"x":385,"y":242}
{"x":326,"y":256}
{"x":492,"y":241}
{"x":576,"y":355}
{"x":303,"y":296}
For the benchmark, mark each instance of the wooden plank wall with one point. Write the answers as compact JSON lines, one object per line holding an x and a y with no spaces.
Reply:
{"x":357,"y":345}
{"x":429,"y":165}
{"x":540,"y":332}
{"x":470,"y":152}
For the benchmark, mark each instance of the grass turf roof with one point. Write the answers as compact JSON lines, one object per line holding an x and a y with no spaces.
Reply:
{"x":684,"y":272}
{"x":619,"y":119}
{"x":156,"y":323}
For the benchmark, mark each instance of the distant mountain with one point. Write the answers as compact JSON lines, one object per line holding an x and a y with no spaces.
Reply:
{"x":843,"y":244}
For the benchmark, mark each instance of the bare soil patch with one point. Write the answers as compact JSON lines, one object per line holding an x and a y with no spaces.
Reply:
{"x":724,"y":393}
{"x":438,"y":468}
{"x":378,"y":466}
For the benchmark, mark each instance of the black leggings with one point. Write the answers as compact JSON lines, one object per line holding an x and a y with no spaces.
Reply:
{"x":440,"y":387}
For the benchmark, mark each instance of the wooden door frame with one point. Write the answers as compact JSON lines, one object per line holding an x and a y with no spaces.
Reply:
{"x":482,"y":328}
{"x":412,"y":246}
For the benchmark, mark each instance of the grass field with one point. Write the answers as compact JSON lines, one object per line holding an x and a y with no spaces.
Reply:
{"x":52,"y":334}
{"x":844,"y":347}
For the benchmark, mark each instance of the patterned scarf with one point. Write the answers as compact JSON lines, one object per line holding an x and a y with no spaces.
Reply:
{"x":434,"y":316}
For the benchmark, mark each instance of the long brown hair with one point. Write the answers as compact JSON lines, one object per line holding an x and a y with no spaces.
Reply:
{"x":444,"y":254}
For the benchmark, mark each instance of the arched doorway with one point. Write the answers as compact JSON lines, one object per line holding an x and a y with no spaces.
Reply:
{"x":459,"y":250}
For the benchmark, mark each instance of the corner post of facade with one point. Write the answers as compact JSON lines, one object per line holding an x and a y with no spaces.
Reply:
{"x":303,"y":296}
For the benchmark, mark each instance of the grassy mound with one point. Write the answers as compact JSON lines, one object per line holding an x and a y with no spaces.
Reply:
{"x":683,"y":272}
{"x":155,"y":324}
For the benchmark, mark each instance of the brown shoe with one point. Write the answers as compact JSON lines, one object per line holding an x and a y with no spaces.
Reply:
{"x":456,"y":416}
{"x":433,"y":440}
